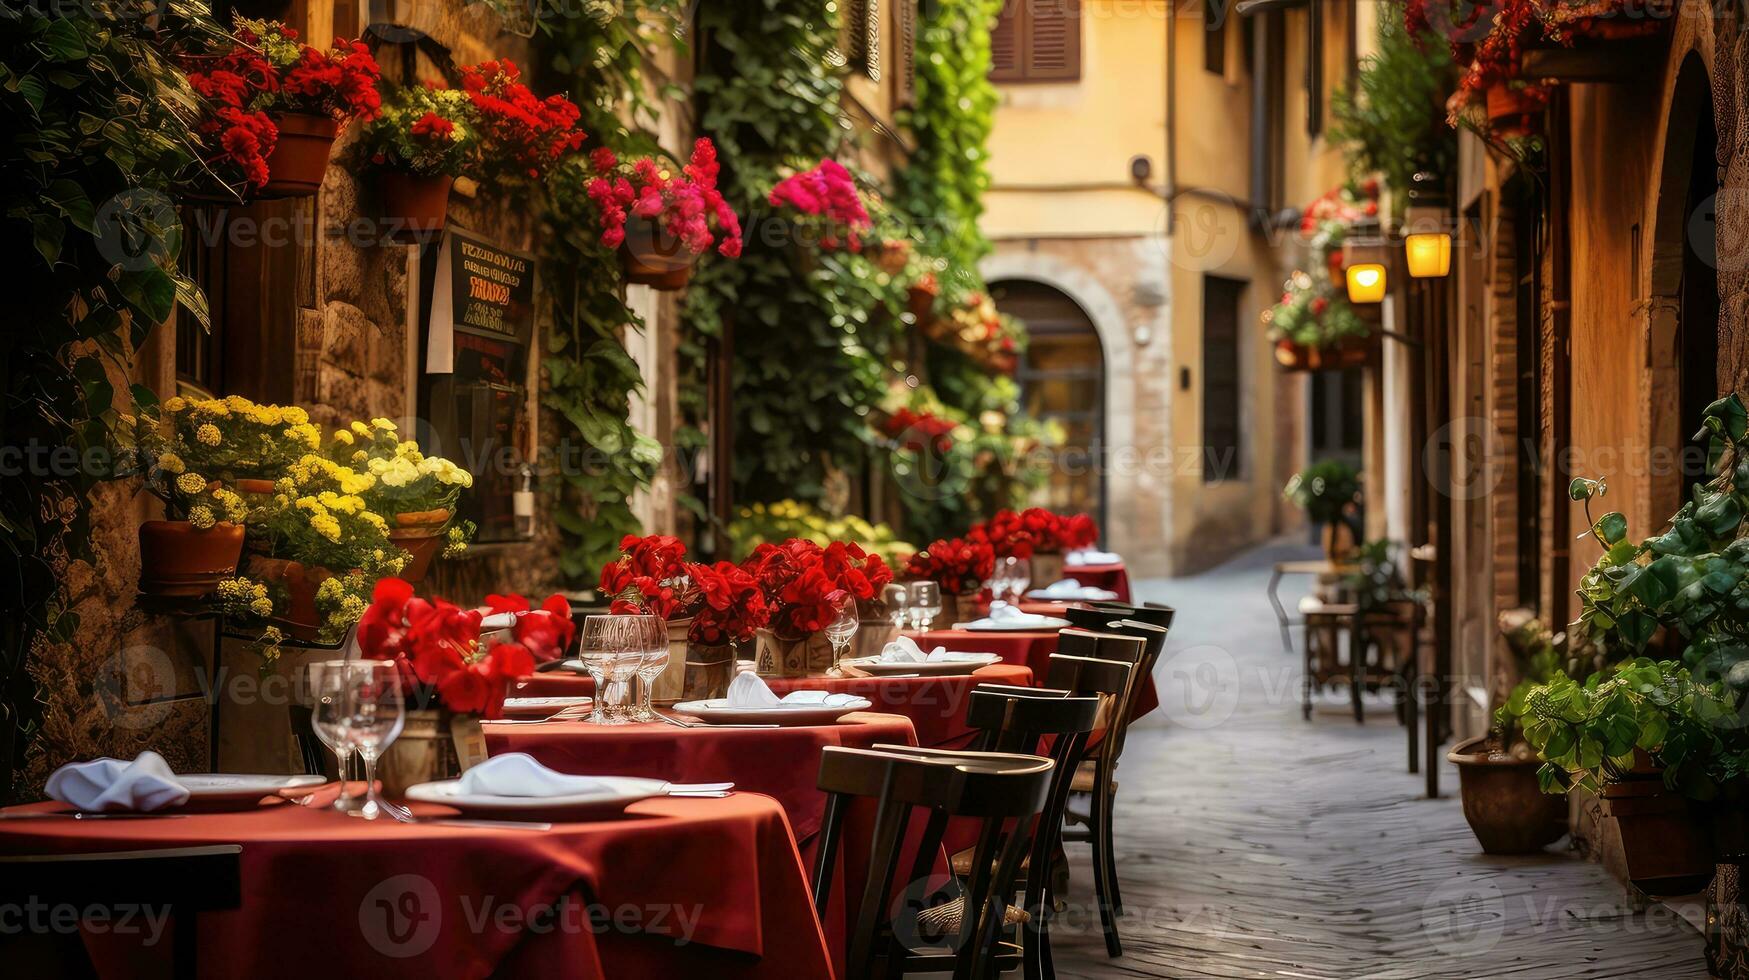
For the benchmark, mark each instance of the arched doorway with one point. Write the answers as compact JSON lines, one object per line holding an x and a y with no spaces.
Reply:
{"x":1684,"y":292}
{"x":1062,"y":379}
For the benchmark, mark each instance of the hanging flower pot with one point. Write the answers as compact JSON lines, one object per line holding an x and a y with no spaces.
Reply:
{"x":299,"y":615}
{"x":179,"y":559}
{"x":421,"y":535}
{"x":300,"y":156}
{"x":414,"y":206}
{"x":652,"y":257}
{"x":1513,"y":109}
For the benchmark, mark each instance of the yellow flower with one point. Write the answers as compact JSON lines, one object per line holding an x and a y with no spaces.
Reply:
{"x":326,"y":526}
{"x":175,"y":403}
{"x":171,"y":464}
{"x":329,"y":590}
{"x":191,"y":483}
{"x":343,"y":437}
{"x":294,"y":415}
{"x":261,"y":607}
{"x":383,"y":424}
{"x":208,"y":435}
{"x":201,"y":517}
{"x":273,"y":635}
{"x":361,"y":428}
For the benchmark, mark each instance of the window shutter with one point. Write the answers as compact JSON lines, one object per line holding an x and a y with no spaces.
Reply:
{"x":1005,"y":63}
{"x":1054,"y":40}
{"x":862,"y":36}
{"x":905,"y":59}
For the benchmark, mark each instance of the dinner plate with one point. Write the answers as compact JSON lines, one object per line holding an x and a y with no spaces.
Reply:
{"x":542,"y":707}
{"x":1043,"y":624}
{"x":238,"y":790}
{"x":718,"y":711}
{"x":928,"y":668}
{"x":616,"y":793}
{"x":1087,"y":594}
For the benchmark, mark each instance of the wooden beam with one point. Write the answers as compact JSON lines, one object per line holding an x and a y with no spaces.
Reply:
{"x":1606,"y":61}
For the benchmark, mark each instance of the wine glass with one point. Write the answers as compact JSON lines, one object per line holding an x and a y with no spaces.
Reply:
{"x":604,"y":641}
{"x":925,"y":604}
{"x":325,"y":683}
{"x":375,"y":711}
{"x":652,"y":634}
{"x":842,"y":629}
{"x":896,"y":599}
{"x":1019,"y":577}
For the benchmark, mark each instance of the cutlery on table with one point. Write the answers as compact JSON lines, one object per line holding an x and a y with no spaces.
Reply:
{"x":77,"y":815}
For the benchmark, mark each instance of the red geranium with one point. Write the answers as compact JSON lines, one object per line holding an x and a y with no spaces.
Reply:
{"x":436,"y":644}
{"x":530,"y":132}
{"x":828,"y":193}
{"x":1005,"y":534}
{"x":650,"y":578}
{"x":917,"y":431}
{"x":733,"y":606}
{"x":959,"y":566}
{"x":803,"y":582}
{"x":1080,"y":531}
{"x":687,"y":205}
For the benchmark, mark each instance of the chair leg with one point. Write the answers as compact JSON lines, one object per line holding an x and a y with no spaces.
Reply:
{"x":1102,"y":874}
{"x":1306,"y":681}
{"x":1357,"y":673}
{"x":1108,"y":847}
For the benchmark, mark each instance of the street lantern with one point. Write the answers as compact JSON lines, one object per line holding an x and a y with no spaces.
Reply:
{"x":1366,"y":282}
{"x":1427,"y":243}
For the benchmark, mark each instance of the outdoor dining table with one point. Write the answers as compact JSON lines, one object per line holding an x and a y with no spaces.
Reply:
{"x":935,"y":705}
{"x":1113,"y":577}
{"x":675,"y":887}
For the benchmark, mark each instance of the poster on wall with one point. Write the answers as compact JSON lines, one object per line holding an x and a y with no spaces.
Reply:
{"x":479,"y":326}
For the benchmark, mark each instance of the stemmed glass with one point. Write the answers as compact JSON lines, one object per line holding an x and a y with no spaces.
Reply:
{"x":1019,"y":576}
{"x":652,"y":634}
{"x":842,"y":629}
{"x":604,"y":640}
{"x":326,"y":689}
{"x":925,"y":604}
{"x":374,"y":711}
{"x":896,"y":599}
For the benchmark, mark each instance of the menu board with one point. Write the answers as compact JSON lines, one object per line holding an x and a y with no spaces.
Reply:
{"x":475,"y":395}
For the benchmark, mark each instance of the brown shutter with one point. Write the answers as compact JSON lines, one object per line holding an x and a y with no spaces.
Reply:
{"x":1054,"y":40}
{"x":905,"y":59}
{"x":1005,"y":64}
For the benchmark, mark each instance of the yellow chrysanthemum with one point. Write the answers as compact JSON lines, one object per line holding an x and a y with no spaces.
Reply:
{"x":172,"y":464}
{"x":326,"y":526}
{"x":175,"y":403}
{"x":343,"y":437}
{"x":261,"y":607}
{"x":384,"y":424}
{"x":201,"y":517}
{"x":208,"y":435}
{"x":191,"y":483}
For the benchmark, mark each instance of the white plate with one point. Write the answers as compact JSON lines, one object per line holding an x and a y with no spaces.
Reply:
{"x":1044,"y":624}
{"x":237,"y":790}
{"x":717,"y":711}
{"x":1085,"y":595}
{"x":933,"y":668}
{"x":541,"y":707}
{"x":617,"y":793}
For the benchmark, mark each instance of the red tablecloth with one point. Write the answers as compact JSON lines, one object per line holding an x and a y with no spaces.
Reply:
{"x":1026,"y":648}
{"x":935,"y":705}
{"x":1113,"y":578}
{"x":329,"y":895}
{"x":783,"y":763}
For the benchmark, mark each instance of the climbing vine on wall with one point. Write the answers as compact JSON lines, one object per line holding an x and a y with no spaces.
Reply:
{"x":600,"y":54}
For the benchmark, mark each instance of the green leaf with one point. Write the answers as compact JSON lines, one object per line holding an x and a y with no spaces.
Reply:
{"x":1612,"y":527}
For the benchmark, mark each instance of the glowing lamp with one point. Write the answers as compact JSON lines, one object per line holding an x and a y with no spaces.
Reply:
{"x":1366,"y":283}
{"x":1429,"y":255}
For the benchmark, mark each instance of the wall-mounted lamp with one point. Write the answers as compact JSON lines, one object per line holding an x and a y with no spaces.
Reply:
{"x":1427,"y":243}
{"x":1366,"y":283}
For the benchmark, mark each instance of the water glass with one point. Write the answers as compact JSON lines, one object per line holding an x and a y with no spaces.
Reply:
{"x":842,"y":629}
{"x":652,"y":636}
{"x":1019,"y":575}
{"x":375,"y":710}
{"x":897,"y":602}
{"x":325,"y":687}
{"x":605,"y":641}
{"x":925,"y":604}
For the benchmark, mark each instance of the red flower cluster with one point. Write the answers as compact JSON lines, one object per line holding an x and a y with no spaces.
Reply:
{"x":432,"y":126}
{"x":532,"y":133}
{"x":959,"y":566}
{"x":649,"y":577}
{"x":732,"y":607}
{"x":803,"y":582}
{"x":1080,"y":531}
{"x":827,"y":191}
{"x":338,"y":83}
{"x":1019,"y":535}
{"x":436,"y":644}
{"x":688,"y":206}
{"x":917,"y":431}
{"x":237,"y":134}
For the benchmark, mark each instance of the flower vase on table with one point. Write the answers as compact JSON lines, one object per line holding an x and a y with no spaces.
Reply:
{"x":436,"y":743}
{"x":809,"y":655}
{"x":1047,"y":567}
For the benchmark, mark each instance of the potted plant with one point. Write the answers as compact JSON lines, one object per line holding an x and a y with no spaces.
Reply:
{"x":708,"y":608}
{"x":522,"y":136}
{"x":199,"y":546}
{"x":1313,"y":326}
{"x":1503,"y":800}
{"x":660,"y":220}
{"x":804,"y":585}
{"x":417,"y":493}
{"x":275,"y":104}
{"x":454,"y":677}
{"x":960,"y":568}
{"x":1329,"y":492}
{"x":425,"y":137}
{"x":824,"y":206}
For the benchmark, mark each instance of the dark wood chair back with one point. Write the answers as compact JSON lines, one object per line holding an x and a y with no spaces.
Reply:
{"x":1153,"y":642}
{"x":186,"y":881}
{"x":1004,"y":791}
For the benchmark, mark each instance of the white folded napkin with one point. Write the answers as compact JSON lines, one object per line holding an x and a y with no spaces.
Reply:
{"x":1003,"y":614}
{"x":518,"y":774}
{"x":749,"y":690}
{"x":1091,"y":556}
{"x":905,"y":650}
{"x":1072,"y":589}
{"x":114,"y":786}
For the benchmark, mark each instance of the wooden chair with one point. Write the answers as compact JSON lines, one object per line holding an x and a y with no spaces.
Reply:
{"x":1095,"y":773}
{"x":1327,"y":625}
{"x":1094,"y":615}
{"x":1018,"y":722}
{"x":186,"y":881}
{"x":1005,"y":791}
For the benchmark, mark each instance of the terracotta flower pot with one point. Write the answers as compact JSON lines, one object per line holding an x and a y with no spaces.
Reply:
{"x":1512,"y":111}
{"x":178,"y":559}
{"x":252,"y":485}
{"x":652,"y":257}
{"x":1506,"y":810}
{"x":803,"y":656}
{"x":1344,"y":353}
{"x":298,"y":616}
{"x":1047,"y":568}
{"x":1663,"y":838}
{"x":300,"y":156}
{"x":421,"y":535}
{"x":921,"y":303}
{"x":414,"y":205}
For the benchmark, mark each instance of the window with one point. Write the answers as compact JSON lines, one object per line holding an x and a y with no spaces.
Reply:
{"x":1222,"y":449}
{"x":1037,"y":41}
{"x":862,"y":36}
{"x":1214,"y":37}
